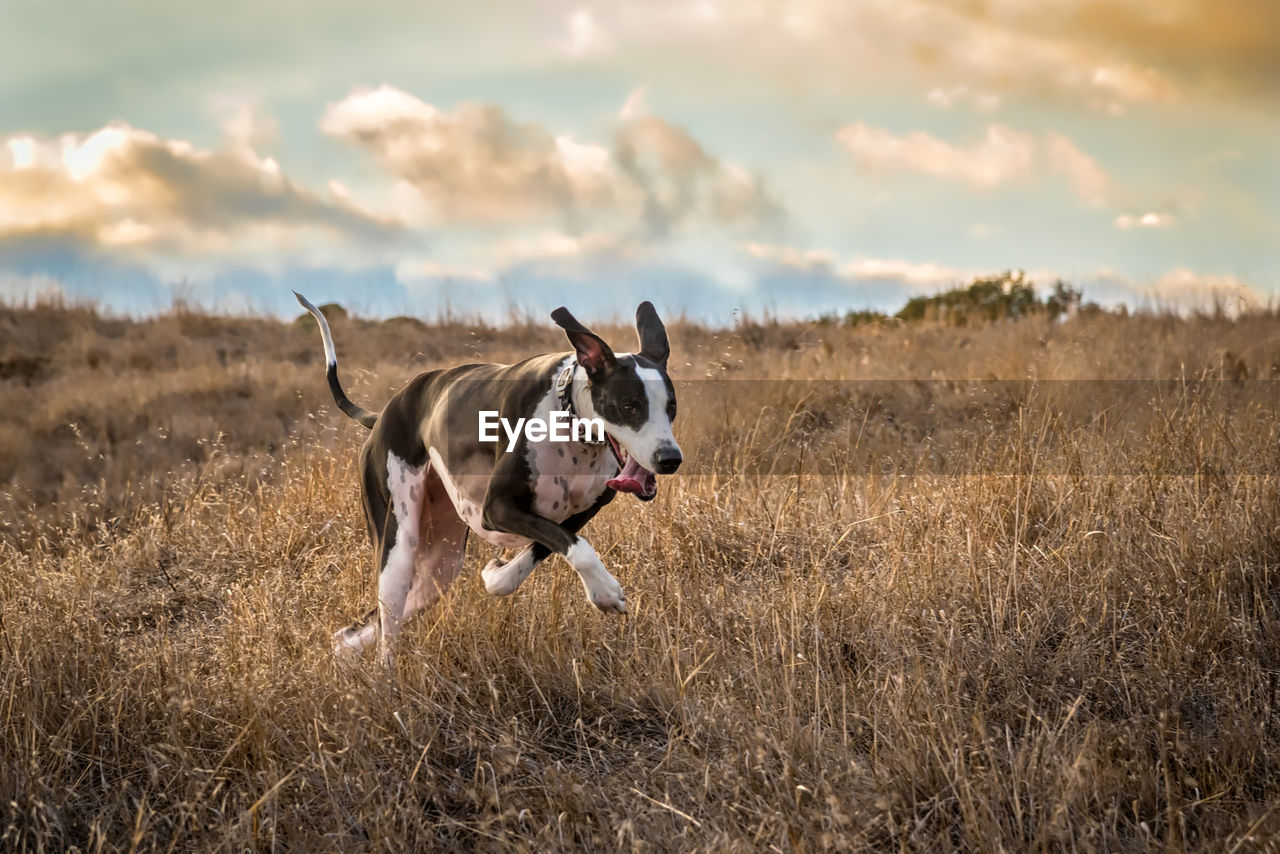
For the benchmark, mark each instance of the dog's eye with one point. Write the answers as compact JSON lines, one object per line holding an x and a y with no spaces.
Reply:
{"x":671,"y":411}
{"x":630,"y":407}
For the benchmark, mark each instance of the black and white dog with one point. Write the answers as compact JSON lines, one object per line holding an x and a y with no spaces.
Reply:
{"x":427,"y":475}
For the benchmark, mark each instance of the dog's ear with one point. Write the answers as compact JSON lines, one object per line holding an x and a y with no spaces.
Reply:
{"x":653,"y":335}
{"x":593,"y":353}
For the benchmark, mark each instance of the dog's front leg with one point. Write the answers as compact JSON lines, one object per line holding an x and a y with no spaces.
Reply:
{"x":502,"y":578}
{"x":603,"y":590}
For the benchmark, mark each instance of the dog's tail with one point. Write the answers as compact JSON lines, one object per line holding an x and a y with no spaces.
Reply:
{"x":359,"y":413}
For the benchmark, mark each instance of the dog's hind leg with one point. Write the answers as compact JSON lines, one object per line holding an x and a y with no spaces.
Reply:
{"x":399,"y":547}
{"x":358,"y":635}
{"x":351,"y":640}
{"x":442,"y":544}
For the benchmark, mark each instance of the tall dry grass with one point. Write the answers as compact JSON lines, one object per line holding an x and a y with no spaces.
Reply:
{"x":1039,"y":640}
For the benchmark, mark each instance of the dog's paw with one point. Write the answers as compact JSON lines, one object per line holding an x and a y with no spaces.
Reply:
{"x":504,"y":577}
{"x":603,"y":590}
{"x":344,"y":655}
{"x":347,"y":648}
{"x":607,"y":595}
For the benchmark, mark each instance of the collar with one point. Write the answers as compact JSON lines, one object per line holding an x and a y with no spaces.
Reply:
{"x":564,"y":388}
{"x":564,"y":394}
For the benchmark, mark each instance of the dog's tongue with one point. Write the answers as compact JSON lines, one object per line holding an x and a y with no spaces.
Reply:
{"x":636,"y":479}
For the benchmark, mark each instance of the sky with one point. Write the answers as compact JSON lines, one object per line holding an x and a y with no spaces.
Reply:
{"x":720,"y":158}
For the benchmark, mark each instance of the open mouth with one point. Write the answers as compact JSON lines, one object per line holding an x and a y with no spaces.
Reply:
{"x":634,"y":478}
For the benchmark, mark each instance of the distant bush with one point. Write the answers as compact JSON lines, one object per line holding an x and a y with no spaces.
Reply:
{"x":1007,"y":296}
{"x":864,"y":317}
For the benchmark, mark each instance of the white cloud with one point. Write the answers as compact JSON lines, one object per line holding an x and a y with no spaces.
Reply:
{"x":636,"y":105}
{"x":917,"y":275}
{"x":418,"y":269}
{"x":1086,"y":177}
{"x":983,"y":102}
{"x":808,"y":260}
{"x":586,"y":36}
{"x":1179,"y":289}
{"x":474,"y":163}
{"x":554,"y":245}
{"x":1130,"y":83}
{"x":26,"y":290}
{"x":1198,"y":290}
{"x":944,"y":98}
{"x":921,"y":274}
{"x":126,"y":232}
{"x":993,"y":49}
{"x":477,"y":165}
{"x":986,"y":102}
{"x":124,"y":188}
{"x":1126,"y":222}
{"x":245,"y":125}
{"x":1003,"y":155}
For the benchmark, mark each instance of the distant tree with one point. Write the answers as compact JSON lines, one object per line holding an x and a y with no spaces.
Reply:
{"x":1062,"y":299}
{"x":861,"y":318}
{"x":1010,"y":295}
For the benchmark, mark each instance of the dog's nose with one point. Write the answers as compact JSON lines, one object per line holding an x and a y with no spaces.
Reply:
{"x":668,"y":460}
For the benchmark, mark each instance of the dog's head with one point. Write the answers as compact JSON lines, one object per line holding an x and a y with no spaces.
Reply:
{"x":633,"y":396}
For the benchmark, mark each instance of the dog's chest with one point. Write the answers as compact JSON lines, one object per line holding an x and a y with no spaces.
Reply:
{"x":568,"y":477}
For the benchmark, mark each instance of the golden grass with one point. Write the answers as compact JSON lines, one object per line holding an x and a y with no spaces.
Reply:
{"x":1061,"y":647}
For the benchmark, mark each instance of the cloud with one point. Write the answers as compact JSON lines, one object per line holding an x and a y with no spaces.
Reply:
{"x":410,"y":270}
{"x":245,"y":126}
{"x":1224,"y":155}
{"x":1105,"y":55}
{"x":477,"y":165}
{"x":804,"y":282}
{"x":1003,"y":155}
{"x":492,"y":261}
{"x":1086,"y":177}
{"x":586,"y":36}
{"x":1188,"y":288}
{"x":1227,"y":45}
{"x":1124,"y":222}
{"x":29,"y":289}
{"x":1131,"y":51}
{"x":983,"y":102}
{"x":995,"y":47}
{"x":1178,"y":289}
{"x":810,"y":260}
{"x":553,"y":245}
{"x":829,"y":281}
{"x":636,"y":105}
{"x":918,"y":275}
{"x":680,"y":181}
{"x":125,"y":188}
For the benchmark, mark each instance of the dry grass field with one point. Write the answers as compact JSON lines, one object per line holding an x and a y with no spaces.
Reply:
{"x":882,"y":608}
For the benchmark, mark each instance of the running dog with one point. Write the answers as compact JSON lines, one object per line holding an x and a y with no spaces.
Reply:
{"x":428,"y":477}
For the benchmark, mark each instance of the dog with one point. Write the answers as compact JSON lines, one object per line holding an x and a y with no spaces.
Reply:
{"x":427,"y":477}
